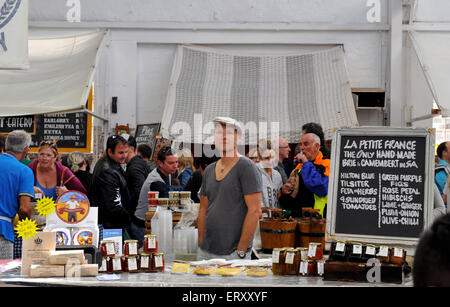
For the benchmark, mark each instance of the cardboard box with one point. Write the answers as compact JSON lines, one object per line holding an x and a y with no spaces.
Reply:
{"x":33,"y":257}
{"x":63,"y":256}
{"x":82,"y":270}
{"x":44,"y":241}
{"x":46,"y":270}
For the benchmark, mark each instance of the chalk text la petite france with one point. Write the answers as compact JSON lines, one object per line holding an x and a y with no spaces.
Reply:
{"x":231,"y":296}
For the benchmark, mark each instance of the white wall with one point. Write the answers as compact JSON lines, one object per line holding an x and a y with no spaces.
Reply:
{"x":137,"y":62}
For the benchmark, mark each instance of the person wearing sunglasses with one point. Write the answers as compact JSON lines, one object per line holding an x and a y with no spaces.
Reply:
{"x":51,"y":178}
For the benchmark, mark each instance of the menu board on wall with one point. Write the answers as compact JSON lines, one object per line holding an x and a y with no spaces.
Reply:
{"x":381,"y":183}
{"x":72,"y":130}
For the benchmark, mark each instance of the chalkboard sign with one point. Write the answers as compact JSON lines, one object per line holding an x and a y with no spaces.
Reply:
{"x":381,"y":184}
{"x":72,"y":131}
{"x":146,"y":134}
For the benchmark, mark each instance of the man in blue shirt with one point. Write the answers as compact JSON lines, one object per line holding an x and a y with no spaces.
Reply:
{"x":16,"y":188}
{"x":442,"y":170}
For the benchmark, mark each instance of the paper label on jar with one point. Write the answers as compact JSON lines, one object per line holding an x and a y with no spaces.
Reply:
{"x":357,"y":249}
{"x":304,"y":254}
{"x":103,"y":267}
{"x":340,"y":246}
{"x":151,"y":242}
{"x":320,"y":268}
{"x":303,"y":267}
{"x":117,"y":264}
{"x":312,"y":250}
{"x":132,"y":248}
{"x":370,"y":250}
{"x":158,"y":261}
{"x":132,"y":264}
{"x":144,"y":262}
{"x":289,"y":258}
{"x":110,"y":248}
{"x":275,"y":256}
{"x":398,"y":252}
{"x":384,"y":251}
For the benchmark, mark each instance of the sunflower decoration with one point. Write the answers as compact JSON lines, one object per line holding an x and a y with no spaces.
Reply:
{"x":45,"y":206}
{"x":26,"y":228}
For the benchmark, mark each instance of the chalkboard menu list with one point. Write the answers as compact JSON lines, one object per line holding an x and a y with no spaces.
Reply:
{"x":70,"y":130}
{"x":380,"y":189}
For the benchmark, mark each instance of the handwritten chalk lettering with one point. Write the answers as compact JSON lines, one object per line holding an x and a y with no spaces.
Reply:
{"x":411,"y":178}
{"x":401,"y":145}
{"x":409,"y":213}
{"x":410,"y":206}
{"x":364,"y":207}
{"x":399,"y":184}
{"x":379,"y":163}
{"x":359,"y":191}
{"x":364,"y":200}
{"x":367,"y":176}
{"x":349,"y":154}
{"x":390,"y":177}
{"x":389,"y":212}
{"x":385,"y":154}
{"x":370,"y":144}
{"x":364,"y":154}
{"x":353,"y":184}
{"x":409,"y":221}
{"x":389,"y":204}
{"x":404,"y":198}
{"x":348,"y":163}
{"x":389,"y":220}
{"x":350,"y":176}
{"x":351,"y":146}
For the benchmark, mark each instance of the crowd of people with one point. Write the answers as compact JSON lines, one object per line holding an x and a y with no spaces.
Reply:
{"x":230,"y":187}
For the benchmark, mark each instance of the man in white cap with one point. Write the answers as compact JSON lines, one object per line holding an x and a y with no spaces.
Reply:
{"x":230,"y":198}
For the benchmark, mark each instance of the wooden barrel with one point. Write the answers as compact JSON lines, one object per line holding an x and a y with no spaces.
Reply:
{"x":310,"y":230}
{"x":277,"y":233}
{"x":148,"y":221}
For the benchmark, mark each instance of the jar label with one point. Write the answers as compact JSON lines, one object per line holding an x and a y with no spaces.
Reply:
{"x":132,"y":264}
{"x":289,"y":258}
{"x":370,"y":250}
{"x":117,"y":264}
{"x":304,"y":254}
{"x":110,"y":248}
{"x":340,"y":246}
{"x":384,"y":251}
{"x":144,"y":262}
{"x":312,"y":250}
{"x":158,"y":261}
{"x":398,"y":252}
{"x":357,"y":249}
{"x":275,"y":256}
{"x":303,"y":267}
{"x":103,"y":267}
{"x":320,"y":268}
{"x":132,"y":248}
{"x":151,"y":242}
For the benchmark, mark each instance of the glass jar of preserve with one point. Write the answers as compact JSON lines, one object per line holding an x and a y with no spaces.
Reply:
{"x":397,"y":255}
{"x":383,"y":254}
{"x":163,"y":203}
{"x":150,"y":244}
{"x":320,"y":267}
{"x":131,"y":264}
{"x":369,"y":251}
{"x":157,"y":263}
{"x":116,"y":264}
{"x":338,"y":251}
{"x":315,"y":251}
{"x":307,"y":268}
{"x":356,"y":251}
{"x":130,"y":247}
{"x":278,"y":261}
{"x":174,"y":204}
{"x":107,"y":248}
{"x":303,"y":251}
{"x":146,"y":262}
{"x":292,"y":261}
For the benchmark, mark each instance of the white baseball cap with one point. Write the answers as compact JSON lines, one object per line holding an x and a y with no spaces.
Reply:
{"x":228,"y":121}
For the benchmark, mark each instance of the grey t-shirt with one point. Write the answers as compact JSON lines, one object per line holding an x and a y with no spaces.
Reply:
{"x":226,"y":208}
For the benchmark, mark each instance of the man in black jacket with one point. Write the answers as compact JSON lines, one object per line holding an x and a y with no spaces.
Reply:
{"x":109,"y":187}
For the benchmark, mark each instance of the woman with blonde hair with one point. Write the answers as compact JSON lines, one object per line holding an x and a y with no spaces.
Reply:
{"x":51,"y":178}
{"x":79,"y":166}
{"x":185,"y":166}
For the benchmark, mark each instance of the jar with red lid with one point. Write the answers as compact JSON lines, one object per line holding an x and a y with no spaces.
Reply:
{"x":146,"y":260}
{"x":131,"y":264}
{"x":116,"y":264}
{"x":150,"y":244}
{"x":157,"y":263}
{"x":107,"y":248}
{"x":130,"y":247}
{"x":315,"y":251}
